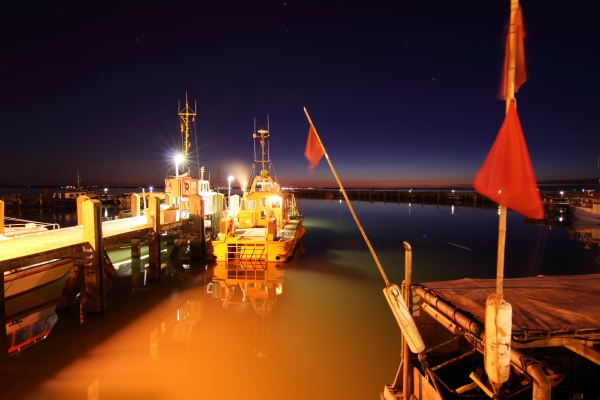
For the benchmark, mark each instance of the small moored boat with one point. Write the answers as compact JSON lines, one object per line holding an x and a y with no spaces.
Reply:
{"x":68,"y":197}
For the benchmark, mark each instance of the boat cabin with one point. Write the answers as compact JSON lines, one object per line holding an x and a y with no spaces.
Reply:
{"x":264,"y":201}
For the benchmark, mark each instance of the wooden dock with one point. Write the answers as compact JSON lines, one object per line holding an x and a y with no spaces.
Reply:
{"x":86,"y":242}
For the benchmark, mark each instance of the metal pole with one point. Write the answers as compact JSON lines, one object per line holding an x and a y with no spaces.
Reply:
{"x":510,"y":95}
{"x":366,"y":239}
{"x":407,"y":355}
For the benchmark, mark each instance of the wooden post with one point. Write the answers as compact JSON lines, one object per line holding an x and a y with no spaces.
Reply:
{"x":3,"y":342}
{"x":153,"y":219}
{"x":136,"y":248}
{"x":94,"y":274}
{"x":407,"y":355}
{"x":79,"y":203}
{"x":135,"y":204}
{"x":1,"y":218}
{"x":197,"y":244}
{"x":135,"y":274}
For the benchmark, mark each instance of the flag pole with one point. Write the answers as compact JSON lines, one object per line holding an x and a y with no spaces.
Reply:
{"x":387,"y":282}
{"x":510,"y":95}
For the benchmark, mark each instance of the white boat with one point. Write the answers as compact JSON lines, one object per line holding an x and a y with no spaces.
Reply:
{"x":28,"y":278}
{"x":68,"y":197}
{"x":587,"y":214}
{"x":31,"y":316}
{"x":588,"y":210}
{"x":25,"y":279}
{"x":19,"y":227}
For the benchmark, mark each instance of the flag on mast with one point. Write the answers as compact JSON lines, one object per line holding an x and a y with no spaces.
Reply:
{"x":520,"y":72}
{"x":506,"y":175}
{"x":313,"y":151}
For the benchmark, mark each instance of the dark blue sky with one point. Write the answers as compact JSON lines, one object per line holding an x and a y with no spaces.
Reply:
{"x":402,"y":93}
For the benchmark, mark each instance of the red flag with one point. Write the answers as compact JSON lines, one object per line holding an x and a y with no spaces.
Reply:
{"x":181,"y":126}
{"x":506,"y":175}
{"x":520,"y":73}
{"x":313,"y":151}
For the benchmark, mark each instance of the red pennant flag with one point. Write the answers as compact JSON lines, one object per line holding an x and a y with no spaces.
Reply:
{"x":313,"y":151}
{"x":520,"y":73}
{"x":181,"y":126}
{"x":506,"y":175}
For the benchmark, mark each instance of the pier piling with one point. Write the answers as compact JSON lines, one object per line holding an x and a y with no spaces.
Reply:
{"x":1,"y":217}
{"x":153,"y":219}
{"x":196,"y":218}
{"x":94,"y":273}
{"x":135,"y":205}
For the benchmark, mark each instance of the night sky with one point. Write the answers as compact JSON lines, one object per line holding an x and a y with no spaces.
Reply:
{"x":402,"y":93}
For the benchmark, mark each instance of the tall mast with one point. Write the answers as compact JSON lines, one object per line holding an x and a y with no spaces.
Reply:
{"x":262,"y":135}
{"x":185,"y":115}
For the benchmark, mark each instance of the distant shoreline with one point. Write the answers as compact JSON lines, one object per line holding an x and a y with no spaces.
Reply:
{"x":544,"y":186}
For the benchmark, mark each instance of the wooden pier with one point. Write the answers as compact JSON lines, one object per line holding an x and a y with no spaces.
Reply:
{"x":86,"y":242}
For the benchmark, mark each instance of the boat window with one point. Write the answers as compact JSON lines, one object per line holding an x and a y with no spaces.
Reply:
{"x":38,"y":328}
{"x":263,"y":202}
{"x":251,"y":204}
{"x":276,"y":204}
{"x":51,"y":320}
{"x":9,"y":338}
{"x":21,"y":335}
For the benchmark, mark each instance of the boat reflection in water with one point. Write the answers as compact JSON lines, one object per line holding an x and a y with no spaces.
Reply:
{"x":252,"y":283}
{"x":31,"y":316}
{"x":587,"y":233}
{"x":329,"y":335}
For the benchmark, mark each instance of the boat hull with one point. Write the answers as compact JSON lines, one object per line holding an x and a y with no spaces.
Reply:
{"x":29,"y":278}
{"x":585,"y":214}
{"x":251,"y":245}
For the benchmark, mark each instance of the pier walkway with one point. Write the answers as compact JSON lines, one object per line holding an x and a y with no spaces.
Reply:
{"x":85,"y":244}
{"x":21,"y":251}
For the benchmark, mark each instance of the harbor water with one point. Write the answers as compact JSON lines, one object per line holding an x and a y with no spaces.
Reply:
{"x":327,"y":334}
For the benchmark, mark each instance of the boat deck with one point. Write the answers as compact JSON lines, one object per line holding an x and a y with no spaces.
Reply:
{"x":259,"y":234}
{"x":544,"y":308}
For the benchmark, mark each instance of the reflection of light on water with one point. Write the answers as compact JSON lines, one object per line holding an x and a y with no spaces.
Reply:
{"x":311,"y":330}
{"x":452,"y":209}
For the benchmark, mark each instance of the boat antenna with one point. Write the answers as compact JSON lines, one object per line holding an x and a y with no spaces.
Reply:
{"x":254,"y":140}
{"x":196,"y":139}
{"x":185,"y":115}
{"x":262,"y":134}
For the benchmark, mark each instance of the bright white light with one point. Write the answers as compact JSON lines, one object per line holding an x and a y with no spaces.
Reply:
{"x":275,"y":199}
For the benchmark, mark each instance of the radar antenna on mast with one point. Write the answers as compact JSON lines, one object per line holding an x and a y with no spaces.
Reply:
{"x":184,"y":116}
